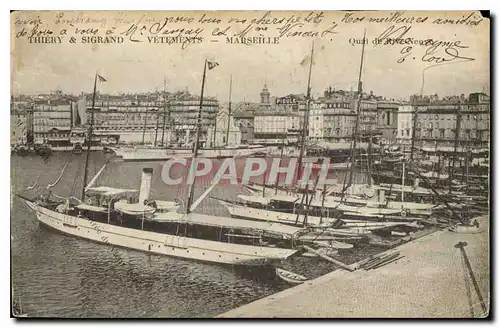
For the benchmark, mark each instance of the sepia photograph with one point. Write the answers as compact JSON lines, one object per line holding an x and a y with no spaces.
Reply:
{"x":250,"y":164}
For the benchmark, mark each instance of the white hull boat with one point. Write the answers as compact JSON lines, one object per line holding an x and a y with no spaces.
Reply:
{"x":160,"y":243}
{"x":290,"y":277}
{"x":239,"y":211}
{"x":366,"y":208}
{"x":117,"y":217}
{"x":395,"y":207}
{"x":332,"y":243}
{"x":154,"y":154}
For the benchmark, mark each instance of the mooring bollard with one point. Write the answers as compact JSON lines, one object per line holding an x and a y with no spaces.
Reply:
{"x":461,"y":245}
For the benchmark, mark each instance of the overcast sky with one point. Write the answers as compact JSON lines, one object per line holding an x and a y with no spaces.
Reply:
{"x":139,"y":67}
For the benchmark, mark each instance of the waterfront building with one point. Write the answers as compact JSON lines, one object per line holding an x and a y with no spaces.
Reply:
{"x":128,"y":119}
{"x":368,"y":120}
{"x":274,"y":128}
{"x":316,"y":121}
{"x":149,"y":118}
{"x":243,"y":114}
{"x":141,"y":118}
{"x":387,"y":119}
{"x":339,"y":119}
{"x":224,"y":136}
{"x":273,"y":120}
{"x":405,"y":124}
{"x":52,"y":121}
{"x":292,"y":103}
{"x":438,"y":120}
{"x":338,"y":114}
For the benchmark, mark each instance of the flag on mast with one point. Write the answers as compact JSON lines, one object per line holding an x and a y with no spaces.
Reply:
{"x":212,"y":65}
{"x":101,"y":79}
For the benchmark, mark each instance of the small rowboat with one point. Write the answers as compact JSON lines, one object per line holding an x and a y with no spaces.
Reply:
{"x":333,"y":244}
{"x":290,"y":277}
{"x":465,"y":229}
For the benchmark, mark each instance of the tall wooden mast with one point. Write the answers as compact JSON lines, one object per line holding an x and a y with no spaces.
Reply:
{"x":358,"y":109}
{"x":89,"y":140}
{"x":306,"y":117}
{"x":197,"y":140}
{"x":164,"y":111}
{"x":229,"y":109}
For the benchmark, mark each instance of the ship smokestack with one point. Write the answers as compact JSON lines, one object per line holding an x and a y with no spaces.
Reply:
{"x":381,"y":196}
{"x":147,"y":175}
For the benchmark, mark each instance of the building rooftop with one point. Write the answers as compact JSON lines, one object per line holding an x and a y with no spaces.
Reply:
{"x":475,"y":97}
{"x":245,"y":109}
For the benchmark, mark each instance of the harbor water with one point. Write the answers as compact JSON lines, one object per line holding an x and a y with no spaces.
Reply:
{"x":56,"y":275}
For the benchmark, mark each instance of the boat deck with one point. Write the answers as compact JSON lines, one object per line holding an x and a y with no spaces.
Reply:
{"x":428,"y":282}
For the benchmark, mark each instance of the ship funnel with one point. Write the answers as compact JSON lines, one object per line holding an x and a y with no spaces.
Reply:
{"x":147,"y":175}
{"x":381,"y":196}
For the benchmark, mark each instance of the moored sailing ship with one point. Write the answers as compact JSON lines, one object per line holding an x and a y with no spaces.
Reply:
{"x":155,"y":153}
{"x":130,"y":219}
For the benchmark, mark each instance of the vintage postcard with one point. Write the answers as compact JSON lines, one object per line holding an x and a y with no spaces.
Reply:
{"x":251,"y":164}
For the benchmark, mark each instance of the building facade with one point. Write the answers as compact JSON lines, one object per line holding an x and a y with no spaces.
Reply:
{"x":368,"y":116}
{"x":225,"y":134}
{"x":52,"y":121}
{"x":152,"y":118}
{"x":439,"y":120}
{"x":339,"y":119}
{"x":387,"y":120}
{"x":277,"y":128}
{"x":405,"y":124}
{"x":316,"y":122}
{"x":244,"y":114}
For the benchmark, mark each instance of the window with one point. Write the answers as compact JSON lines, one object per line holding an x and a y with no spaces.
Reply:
{"x":408,"y":133}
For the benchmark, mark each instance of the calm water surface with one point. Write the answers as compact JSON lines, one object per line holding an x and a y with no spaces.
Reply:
{"x":56,"y":275}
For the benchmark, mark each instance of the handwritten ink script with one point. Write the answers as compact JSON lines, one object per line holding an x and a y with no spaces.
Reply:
{"x":408,"y":31}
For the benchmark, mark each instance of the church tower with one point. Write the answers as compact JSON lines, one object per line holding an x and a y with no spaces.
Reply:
{"x":265,"y":97}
